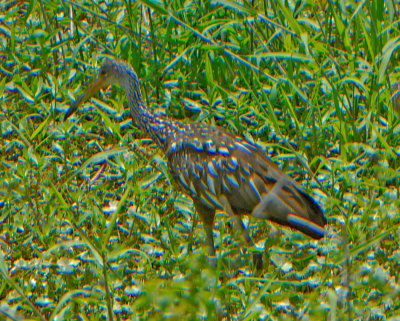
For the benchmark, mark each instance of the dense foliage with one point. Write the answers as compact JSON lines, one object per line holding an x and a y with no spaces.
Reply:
{"x":93,"y":227}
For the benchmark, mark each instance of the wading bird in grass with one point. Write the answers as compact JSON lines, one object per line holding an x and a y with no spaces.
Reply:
{"x":219,"y":170}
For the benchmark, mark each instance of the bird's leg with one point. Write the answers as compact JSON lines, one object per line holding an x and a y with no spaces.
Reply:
{"x":207,"y":216}
{"x":238,"y":224}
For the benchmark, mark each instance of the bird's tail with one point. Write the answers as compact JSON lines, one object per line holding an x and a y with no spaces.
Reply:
{"x":288,"y":204}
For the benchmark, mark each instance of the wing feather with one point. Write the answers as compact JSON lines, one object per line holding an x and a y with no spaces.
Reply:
{"x":210,"y":163}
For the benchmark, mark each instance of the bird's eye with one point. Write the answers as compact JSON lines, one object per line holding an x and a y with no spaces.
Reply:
{"x":103,"y":72}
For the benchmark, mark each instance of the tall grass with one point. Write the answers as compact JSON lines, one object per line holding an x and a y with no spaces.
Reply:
{"x":92,"y":226}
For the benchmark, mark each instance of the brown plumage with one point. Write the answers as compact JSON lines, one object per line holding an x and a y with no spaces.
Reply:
{"x":216,"y":168}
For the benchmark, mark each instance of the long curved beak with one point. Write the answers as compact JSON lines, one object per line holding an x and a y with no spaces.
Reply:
{"x":89,"y":92}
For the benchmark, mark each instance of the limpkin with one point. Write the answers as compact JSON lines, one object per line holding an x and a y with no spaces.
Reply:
{"x":218,"y":169}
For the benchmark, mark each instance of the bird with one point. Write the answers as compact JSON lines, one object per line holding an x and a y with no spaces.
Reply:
{"x":216,"y":168}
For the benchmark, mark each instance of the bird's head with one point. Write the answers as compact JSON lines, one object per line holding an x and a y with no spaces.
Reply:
{"x":111,"y":72}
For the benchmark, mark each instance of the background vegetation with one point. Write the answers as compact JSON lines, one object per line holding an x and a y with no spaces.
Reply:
{"x":91,"y":227}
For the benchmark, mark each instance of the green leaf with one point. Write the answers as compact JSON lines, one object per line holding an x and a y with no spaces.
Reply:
{"x":149,"y":180}
{"x":236,"y":6}
{"x":59,"y":196}
{"x":67,"y":297}
{"x":40,"y":128}
{"x":114,"y":215}
{"x":155,"y":6}
{"x":39,"y":33}
{"x":3,"y":267}
{"x":292,"y":22}
{"x":101,"y":157}
{"x":2,"y":86}
{"x":209,"y":73}
{"x":393,"y":44}
{"x":27,"y":96}
{"x":32,"y":155}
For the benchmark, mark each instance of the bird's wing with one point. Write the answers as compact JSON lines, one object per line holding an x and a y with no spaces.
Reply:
{"x":210,"y":163}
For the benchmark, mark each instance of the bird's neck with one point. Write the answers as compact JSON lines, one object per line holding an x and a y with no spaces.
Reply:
{"x":156,"y":127}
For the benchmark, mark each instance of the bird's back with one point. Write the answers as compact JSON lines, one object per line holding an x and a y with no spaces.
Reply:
{"x":209,"y":162}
